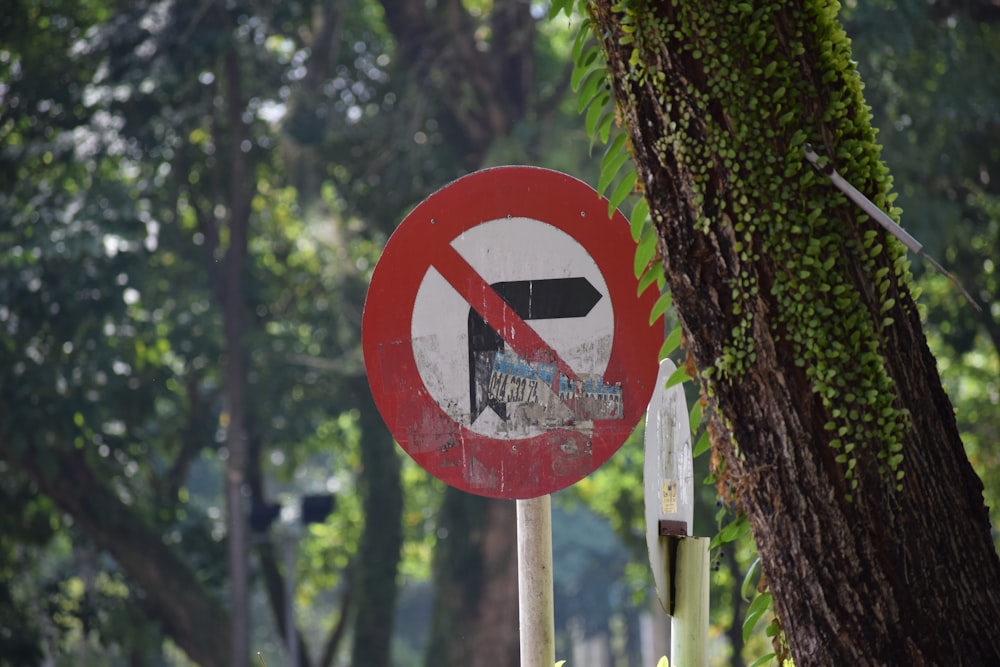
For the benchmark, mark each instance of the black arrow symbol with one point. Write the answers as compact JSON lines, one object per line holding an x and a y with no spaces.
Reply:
{"x":545,"y":299}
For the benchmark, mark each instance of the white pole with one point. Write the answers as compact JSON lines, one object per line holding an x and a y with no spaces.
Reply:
{"x":689,"y":626}
{"x":534,"y":582}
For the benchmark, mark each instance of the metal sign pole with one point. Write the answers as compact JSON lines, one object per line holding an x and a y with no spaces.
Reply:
{"x":689,"y":622}
{"x":534,"y":582}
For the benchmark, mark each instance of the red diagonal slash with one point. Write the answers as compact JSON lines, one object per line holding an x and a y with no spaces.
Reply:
{"x":471,"y":286}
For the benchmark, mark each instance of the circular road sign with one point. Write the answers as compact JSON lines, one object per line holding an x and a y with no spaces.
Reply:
{"x":505,"y":343}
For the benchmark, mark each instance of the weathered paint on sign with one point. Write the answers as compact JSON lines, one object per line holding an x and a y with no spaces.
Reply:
{"x":505,"y":345}
{"x":668,"y":480}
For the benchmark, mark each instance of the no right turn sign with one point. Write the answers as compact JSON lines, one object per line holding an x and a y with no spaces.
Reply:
{"x":505,"y":345}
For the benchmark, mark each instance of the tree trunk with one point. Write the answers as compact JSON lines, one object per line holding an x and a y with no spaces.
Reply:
{"x":475,"y":619}
{"x":382,"y":540}
{"x":235,"y":373}
{"x":830,"y":426}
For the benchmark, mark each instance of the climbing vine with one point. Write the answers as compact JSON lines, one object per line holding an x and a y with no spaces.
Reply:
{"x":737,"y":129}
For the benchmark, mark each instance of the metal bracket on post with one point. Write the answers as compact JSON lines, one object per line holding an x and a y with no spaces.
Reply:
{"x":671,"y":532}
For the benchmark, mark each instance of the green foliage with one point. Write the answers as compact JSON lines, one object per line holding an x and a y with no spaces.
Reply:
{"x":763,"y":660}
{"x":115,"y":172}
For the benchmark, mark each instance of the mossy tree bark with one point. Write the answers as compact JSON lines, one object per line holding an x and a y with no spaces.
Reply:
{"x":830,"y":426}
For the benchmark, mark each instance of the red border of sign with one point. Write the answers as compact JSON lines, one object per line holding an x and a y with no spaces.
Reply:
{"x":467,"y":460}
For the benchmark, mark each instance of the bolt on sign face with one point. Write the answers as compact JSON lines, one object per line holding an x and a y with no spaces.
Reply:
{"x":505,"y":343}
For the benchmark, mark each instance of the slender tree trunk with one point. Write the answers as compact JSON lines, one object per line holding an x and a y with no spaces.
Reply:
{"x":830,"y":426}
{"x":235,"y":372}
{"x":382,"y":541}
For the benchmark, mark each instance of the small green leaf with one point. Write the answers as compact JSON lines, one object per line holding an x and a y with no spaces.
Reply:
{"x":677,"y":377}
{"x":663,"y":662}
{"x":644,"y":251}
{"x":594,"y":113}
{"x":703,"y":445}
{"x":763,"y":660}
{"x":623,"y":190}
{"x":604,"y":127}
{"x":611,"y":163}
{"x":760,"y":604}
{"x":615,"y":147}
{"x":582,"y":35}
{"x":664,"y":351}
{"x":750,"y":580}
{"x":582,"y":74}
{"x":639,"y":214}
{"x":653,"y":274}
{"x":749,"y":624}
{"x":590,"y":91}
{"x":694,"y":417}
{"x":755,"y":611}
{"x":660,"y":307}
{"x":558,"y":6}
{"x":672,"y":342}
{"x":733,"y":531}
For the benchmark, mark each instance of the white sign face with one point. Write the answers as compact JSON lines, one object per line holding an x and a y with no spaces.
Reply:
{"x":668,"y":477}
{"x":558,"y":289}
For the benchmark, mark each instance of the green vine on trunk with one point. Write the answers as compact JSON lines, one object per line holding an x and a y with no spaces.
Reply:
{"x":737,"y":131}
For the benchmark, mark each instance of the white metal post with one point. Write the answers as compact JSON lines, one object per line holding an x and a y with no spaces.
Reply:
{"x":689,"y":624}
{"x":534,"y":582}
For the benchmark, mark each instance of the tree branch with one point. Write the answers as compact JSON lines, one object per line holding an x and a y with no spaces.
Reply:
{"x":174,"y":596}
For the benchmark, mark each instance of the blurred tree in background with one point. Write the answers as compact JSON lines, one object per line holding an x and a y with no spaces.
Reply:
{"x":173,"y":317}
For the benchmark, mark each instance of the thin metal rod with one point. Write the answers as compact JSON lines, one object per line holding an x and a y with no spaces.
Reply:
{"x":880,"y":216}
{"x":867,"y":205}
